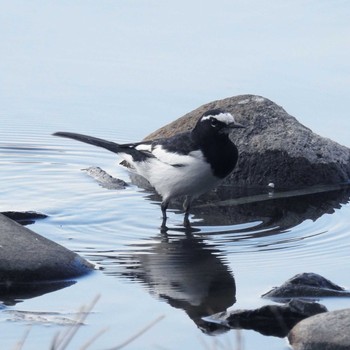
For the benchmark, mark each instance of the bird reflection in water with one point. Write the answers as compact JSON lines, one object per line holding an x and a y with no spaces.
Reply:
{"x":191,"y":274}
{"x":184,"y":271}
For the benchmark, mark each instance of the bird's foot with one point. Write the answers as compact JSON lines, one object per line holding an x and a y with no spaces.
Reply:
{"x":187,"y":223}
{"x":164,"y":228}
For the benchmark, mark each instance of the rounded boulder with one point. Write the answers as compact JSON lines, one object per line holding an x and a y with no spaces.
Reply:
{"x":274,"y":147}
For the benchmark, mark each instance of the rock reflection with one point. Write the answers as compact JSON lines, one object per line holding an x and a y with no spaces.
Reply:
{"x":184,"y":271}
{"x":12,"y":293}
{"x":228,"y":205}
{"x":276,"y":211}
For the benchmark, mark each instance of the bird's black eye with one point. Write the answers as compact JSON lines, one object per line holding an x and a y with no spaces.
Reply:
{"x":214,"y":122}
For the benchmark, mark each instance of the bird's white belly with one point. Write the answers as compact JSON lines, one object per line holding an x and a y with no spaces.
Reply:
{"x":192,"y":179}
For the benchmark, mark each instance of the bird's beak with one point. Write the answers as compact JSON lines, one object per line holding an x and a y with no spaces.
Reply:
{"x":235,"y":125}
{"x":227,"y":130}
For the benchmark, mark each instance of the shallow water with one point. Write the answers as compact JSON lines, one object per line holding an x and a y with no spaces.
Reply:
{"x":119,"y":70}
{"x":238,"y":250}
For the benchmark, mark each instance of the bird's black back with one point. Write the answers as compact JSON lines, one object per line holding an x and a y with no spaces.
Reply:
{"x":182,"y":143}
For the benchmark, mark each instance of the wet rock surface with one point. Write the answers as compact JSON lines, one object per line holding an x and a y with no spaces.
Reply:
{"x":306,"y":285}
{"x":274,"y":147}
{"x":327,"y":331}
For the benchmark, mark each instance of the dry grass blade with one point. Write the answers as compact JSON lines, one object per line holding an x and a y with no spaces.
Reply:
{"x":239,"y":339}
{"x":138,"y":334}
{"x":92,"y":340}
{"x":61,"y":341}
{"x":20,"y":344}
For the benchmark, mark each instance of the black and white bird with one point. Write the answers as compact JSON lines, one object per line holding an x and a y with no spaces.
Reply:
{"x":187,"y":164}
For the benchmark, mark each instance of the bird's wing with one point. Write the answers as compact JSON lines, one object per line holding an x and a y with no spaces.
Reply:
{"x":179,"y":150}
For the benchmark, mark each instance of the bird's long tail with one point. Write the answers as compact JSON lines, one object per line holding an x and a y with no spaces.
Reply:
{"x":111,"y":146}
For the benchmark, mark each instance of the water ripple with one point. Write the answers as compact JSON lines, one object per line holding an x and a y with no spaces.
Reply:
{"x":119,"y":229}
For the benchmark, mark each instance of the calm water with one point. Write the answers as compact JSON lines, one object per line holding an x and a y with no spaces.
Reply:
{"x":119,"y":70}
{"x":238,"y":253}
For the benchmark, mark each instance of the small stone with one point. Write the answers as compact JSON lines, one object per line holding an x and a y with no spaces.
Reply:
{"x":104,"y":179}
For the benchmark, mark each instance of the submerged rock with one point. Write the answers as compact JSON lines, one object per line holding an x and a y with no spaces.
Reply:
{"x":274,"y":147}
{"x":327,"y":331}
{"x":104,"y":179}
{"x":306,"y":285}
{"x":274,"y":320}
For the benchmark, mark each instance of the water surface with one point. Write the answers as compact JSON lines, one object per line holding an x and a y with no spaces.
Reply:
{"x":238,"y":250}
{"x":119,"y":70}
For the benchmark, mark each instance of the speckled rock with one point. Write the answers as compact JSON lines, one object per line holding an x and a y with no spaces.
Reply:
{"x":326,"y":331}
{"x":274,"y":147}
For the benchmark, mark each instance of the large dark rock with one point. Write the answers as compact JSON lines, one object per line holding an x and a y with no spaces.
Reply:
{"x":26,"y":257}
{"x":326,"y":331}
{"x":274,"y":147}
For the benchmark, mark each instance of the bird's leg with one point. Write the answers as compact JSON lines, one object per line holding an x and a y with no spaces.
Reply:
{"x":164,"y":207}
{"x":187,"y":206}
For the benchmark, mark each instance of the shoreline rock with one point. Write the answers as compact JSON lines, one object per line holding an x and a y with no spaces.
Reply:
{"x":327,"y":331}
{"x":274,"y":148}
{"x":27,"y":257}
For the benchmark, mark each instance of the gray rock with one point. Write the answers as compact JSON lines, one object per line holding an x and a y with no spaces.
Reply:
{"x":26,"y":257}
{"x":274,"y":148}
{"x":104,"y":179}
{"x":274,"y":320}
{"x":306,"y":285}
{"x":327,"y":331}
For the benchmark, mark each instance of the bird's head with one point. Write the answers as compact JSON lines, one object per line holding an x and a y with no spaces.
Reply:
{"x":217,"y":121}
